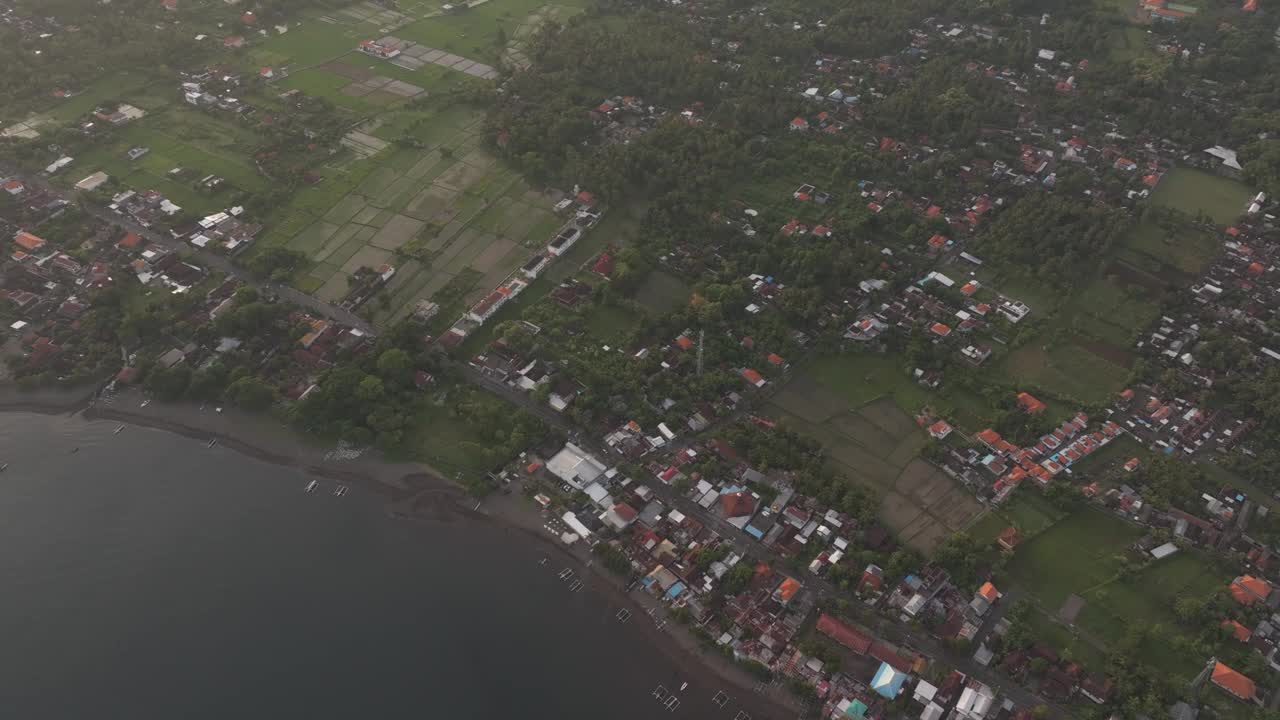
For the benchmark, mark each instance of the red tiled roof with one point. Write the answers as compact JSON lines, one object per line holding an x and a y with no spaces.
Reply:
{"x":843,"y":634}
{"x":1010,"y":537}
{"x":989,"y":592}
{"x":27,"y":241}
{"x":603,"y":264}
{"x":989,"y":436}
{"x":1248,"y":589}
{"x":1029,"y":403}
{"x":788,"y":589}
{"x":737,"y":504}
{"x":1233,"y":682}
{"x":1238,"y":631}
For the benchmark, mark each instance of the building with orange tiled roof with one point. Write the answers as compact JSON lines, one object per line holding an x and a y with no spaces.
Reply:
{"x":1233,"y":682}
{"x":27,"y":241}
{"x":1238,"y":631}
{"x":1009,"y":539}
{"x":1030,"y":404}
{"x":1248,"y":590}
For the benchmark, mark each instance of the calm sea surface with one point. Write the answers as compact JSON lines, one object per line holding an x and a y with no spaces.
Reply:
{"x":148,"y":576}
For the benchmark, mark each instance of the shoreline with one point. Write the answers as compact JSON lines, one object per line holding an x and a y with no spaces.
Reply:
{"x":412,"y":491}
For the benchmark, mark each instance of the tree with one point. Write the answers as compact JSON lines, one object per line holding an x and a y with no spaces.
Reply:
{"x":394,"y":364}
{"x":370,"y":389}
{"x":250,"y":393}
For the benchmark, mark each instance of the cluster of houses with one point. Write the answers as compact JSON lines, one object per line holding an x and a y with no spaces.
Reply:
{"x":583,"y":211}
{"x":621,"y":119}
{"x":216,"y":88}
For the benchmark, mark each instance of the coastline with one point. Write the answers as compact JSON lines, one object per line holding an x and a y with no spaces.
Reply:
{"x":412,"y":491}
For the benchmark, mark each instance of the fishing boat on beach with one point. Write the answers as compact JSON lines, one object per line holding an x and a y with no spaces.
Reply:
{"x":311,"y":486}
{"x":117,"y":432}
{"x":212,"y":442}
{"x":342,"y":490}
{"x":4,"y":466}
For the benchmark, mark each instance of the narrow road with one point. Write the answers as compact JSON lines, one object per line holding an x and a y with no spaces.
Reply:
{"x":210,"y":259}
{"x":895,"y":632}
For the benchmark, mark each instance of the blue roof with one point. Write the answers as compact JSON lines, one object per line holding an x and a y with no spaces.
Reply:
{"x":856,"y":709}
{"x":675,"y":590}
{"x":888,"y":681}
{"x":754,"y":532}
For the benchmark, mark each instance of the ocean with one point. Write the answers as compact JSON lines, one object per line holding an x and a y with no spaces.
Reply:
{"x":149,"y":576}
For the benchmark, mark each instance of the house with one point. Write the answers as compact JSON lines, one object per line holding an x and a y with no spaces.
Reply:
{"x":1030,"y":404}
{"x":1238,"y":631}
{"x":372,"y":48}
{"x":13,"y":187}
{"x":799,"y":124}
{"x":1226,"y":161}
{"x":27,"y":241}
{"x":1097,"y":688}
{"x":940,"y":430}
{"x":1248,"y":590}
{"x":620,"y":516}
{"x":753,"y":378}
{"x":603,"y":266}
{"x":171,"y":358}
{"x":844,"y":634}
{"x":233,"y":42}
{"x":1233,"y":682}
{"x":93,"y":182}
{"x":1009,"y":539}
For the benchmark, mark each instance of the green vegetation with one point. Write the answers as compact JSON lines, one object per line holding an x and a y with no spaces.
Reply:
{"x":1085,"y":551}
{"x":1196,"y":191}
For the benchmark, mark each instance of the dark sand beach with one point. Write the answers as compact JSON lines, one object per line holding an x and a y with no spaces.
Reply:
{"x":413,"y":492}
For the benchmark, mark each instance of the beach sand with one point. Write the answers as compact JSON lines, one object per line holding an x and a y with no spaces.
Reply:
{"x":414,"y":492}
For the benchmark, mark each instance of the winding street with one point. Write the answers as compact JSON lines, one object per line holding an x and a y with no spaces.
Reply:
{"x":898,"y":633}
{"x":895,"y":632}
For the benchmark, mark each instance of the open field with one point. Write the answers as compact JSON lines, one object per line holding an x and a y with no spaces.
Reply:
{"x":1068,"y":369}
{"x":1027,"y":510}
{"x":1149,"y":596}
{"x":178,"y":138}
{"x":877,"y":445}
{"x":434,"y":213}
{"x":1187,"y":251}
{"x":857,"y":378}
{"x":1081,"y":551}
{"x":662,"y":292}
{"x":1192,"y":191}
{"x":319,"y":56}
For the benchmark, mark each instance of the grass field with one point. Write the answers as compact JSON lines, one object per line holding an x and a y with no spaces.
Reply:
{"x":857,"y":378}
{"x":1067,"y":369}
{"x":1188,"y":251}
{"x":662,"y":292}
{"x":440,"y":213}
{"x":1076,"y":554}
{"x":872,"y":441}
{"x":1027,"y":510}
{"x":1149,"y":596}
{"x":1192,"y":190}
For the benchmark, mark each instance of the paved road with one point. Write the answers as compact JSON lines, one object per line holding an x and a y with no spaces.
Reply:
{"x":211,"y":260}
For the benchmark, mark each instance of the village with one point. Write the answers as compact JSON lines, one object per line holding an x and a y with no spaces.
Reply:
{"x":905,"y":426}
